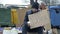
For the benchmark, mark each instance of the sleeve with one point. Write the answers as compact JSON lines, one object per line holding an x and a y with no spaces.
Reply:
{"x":26,"y":18}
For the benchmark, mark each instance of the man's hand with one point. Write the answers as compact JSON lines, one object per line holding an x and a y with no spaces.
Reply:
{"x":28,"y":23}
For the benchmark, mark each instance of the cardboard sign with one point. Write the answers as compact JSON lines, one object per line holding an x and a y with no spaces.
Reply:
{"x":40,"y":18}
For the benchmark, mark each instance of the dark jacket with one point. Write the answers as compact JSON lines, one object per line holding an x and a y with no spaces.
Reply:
{"x":26,"y":16}
{"x":26,"y":20}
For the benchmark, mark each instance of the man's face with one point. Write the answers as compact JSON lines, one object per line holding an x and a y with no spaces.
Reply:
{"x":34,"y":10}
{"x":42,"y":6}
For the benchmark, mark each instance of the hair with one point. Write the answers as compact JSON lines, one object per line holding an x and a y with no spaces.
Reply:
{"x":35,"y":5}
{"x":41,"y":2}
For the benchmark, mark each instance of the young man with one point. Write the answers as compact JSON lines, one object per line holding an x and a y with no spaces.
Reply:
{"x":26,"y":27}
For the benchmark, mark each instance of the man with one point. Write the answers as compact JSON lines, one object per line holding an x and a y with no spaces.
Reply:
{"x":44,"y":7}
{"x":26,"y":27}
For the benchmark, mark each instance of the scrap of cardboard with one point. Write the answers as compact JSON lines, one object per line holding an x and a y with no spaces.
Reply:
{"x":40,"y":18}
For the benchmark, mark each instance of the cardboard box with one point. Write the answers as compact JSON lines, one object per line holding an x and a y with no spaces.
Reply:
{"x":41,"y":18}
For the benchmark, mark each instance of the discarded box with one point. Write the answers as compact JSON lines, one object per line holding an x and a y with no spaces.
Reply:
{"x":41,"y":18}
